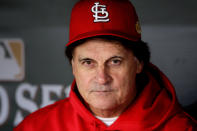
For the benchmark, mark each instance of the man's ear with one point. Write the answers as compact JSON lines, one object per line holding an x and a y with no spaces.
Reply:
{"x":140,"y":65}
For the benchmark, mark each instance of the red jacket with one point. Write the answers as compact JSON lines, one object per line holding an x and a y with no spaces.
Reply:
{"x":155,"y":108}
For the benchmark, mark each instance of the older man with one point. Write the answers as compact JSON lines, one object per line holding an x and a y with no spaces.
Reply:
{"x":115,"y":86}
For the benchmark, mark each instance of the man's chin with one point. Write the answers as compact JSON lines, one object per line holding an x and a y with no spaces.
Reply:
{"x":104,"y":105}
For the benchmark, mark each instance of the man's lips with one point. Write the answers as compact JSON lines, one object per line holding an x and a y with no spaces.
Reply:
{"x":102,"y":91}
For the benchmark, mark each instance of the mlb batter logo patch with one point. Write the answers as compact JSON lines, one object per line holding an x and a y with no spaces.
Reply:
{"x":12,"y":67}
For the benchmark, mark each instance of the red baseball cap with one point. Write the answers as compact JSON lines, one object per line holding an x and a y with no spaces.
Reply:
{"x":91,"y":18}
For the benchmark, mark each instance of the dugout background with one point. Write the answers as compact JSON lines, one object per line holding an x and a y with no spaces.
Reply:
{"x":169,"y":26}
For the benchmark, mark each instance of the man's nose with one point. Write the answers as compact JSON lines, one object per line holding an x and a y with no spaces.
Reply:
{"x":103,"y":76}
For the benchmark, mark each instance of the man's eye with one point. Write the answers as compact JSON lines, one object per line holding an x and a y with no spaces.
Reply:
{"x":116,"y":62}
{"x":87,"y":62}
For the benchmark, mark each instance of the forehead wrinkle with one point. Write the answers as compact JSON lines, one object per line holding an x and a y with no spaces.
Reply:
{"x":94,"y":49}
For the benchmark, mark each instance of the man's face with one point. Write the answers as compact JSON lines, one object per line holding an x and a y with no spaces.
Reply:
{"x":105,"y":74}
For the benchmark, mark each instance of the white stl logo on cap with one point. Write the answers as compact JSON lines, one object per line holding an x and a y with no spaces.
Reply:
{"x":102,"y":11}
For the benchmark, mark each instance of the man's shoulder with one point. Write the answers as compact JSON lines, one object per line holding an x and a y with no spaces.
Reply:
{"x":48,"y":114}
{"x":182,"y":121}
{"x":50,"y":109}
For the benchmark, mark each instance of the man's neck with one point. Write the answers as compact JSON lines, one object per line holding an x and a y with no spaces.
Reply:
{"x":106,"y":113}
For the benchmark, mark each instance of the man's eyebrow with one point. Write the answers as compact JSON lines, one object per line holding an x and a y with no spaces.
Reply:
{"x":115,"y":57}
{"x":88,"y":59}
{"x":83,"y":59}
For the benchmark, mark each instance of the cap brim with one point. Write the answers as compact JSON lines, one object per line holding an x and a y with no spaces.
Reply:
{"x":102,"y":33}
